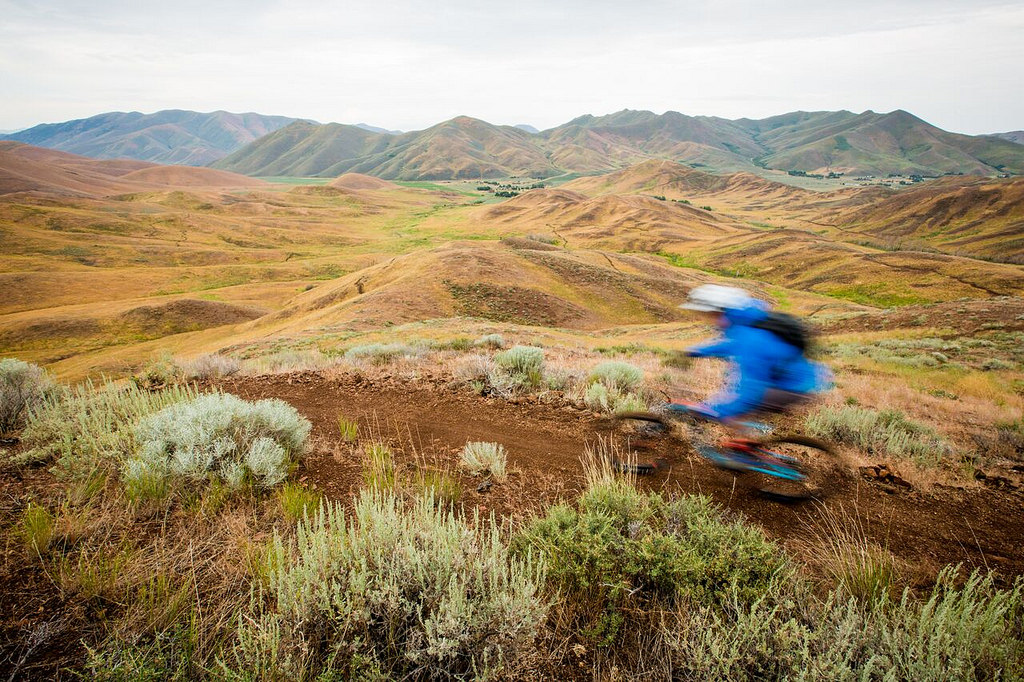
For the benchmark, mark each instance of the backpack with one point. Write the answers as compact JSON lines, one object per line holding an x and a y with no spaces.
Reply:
{"x":787,"y":328}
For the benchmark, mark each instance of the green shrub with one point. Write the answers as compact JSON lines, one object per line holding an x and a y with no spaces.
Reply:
{"x":623,"y":551}
{"x":159,"y":373}
{"x":521,"y":360}
{"x":381,"y":353}
{"x":222,"y":436}
{"x":496,"y":341}
{"x":211,"y":366}
{"x":22,"y":386}
{"x":971,"y":632}
{"x":402,"y":590}
{"x":88,"y":429}
{"x":603,"y":399}
{"x":886,"y":432}
{"x":619,"y":376}
{"x":479,"y":458}
{"x":518,"y":368}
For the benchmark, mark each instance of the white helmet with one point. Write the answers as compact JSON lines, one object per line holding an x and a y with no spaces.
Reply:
{"x":716,"y":298}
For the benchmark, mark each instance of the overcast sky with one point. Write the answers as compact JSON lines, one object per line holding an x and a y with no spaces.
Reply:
{"x":408,"y":64}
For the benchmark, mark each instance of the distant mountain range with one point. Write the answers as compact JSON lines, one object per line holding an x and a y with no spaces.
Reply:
{"x":811,"y":142}
{"x":824,"y":142}
{"x":170,"y":137}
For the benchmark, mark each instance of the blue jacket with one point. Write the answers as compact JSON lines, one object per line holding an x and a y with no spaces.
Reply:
{"x":761,"y":360}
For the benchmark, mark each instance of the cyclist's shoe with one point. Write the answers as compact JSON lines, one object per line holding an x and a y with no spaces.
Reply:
{"x":731,"y":459}
{"x":743,"y":445}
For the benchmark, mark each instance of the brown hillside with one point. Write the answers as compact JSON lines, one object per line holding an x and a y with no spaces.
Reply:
{"x":498,"y":282}
{"x":970,"y":216}
{"x":611,"y":217}
{"x":24,"y":168}
{"x":358,"y":181}
{"x":187,"y":176}
{"x":87,"y":326}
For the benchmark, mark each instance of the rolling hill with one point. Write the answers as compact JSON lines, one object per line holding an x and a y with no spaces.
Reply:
{"x":871,"y":143}
{"x":24,"y":168}
{"x":467,"y":148}
{"x":460,"y":148}
{"x":170,"y":137}
{"x":968,"y":216}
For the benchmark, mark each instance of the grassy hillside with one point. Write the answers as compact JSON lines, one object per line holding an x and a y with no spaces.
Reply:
{"x":895,"y":142}
{"x":101,"y":279}
{"x":814,"y":142}
{"x":982,"y":218}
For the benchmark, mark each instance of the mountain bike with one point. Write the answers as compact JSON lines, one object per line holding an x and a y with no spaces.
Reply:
{"x":784,"y":467}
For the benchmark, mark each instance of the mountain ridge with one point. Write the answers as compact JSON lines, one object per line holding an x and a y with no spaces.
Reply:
{"x":170,"y":136}
{"x":802,"y":142}
{"x":463,"y":147}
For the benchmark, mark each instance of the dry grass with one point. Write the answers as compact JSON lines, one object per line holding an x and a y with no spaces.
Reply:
{"x":839,"y":547}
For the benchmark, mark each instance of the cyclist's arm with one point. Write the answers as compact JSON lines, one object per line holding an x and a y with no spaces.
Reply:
{"x":715,"y":349}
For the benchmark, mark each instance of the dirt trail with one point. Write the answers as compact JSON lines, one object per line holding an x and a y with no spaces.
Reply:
{"x":431,"y":421}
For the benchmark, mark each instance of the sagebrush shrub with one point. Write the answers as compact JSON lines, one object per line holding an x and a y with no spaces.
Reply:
{"x":521,"y":359}
{"x":220,"y":435}
{"x":623,"y":551}
{"x":479,"y":457}
{"x":86,"y":429}
{"x":880,"y":431}
{"x":972,"y":632}
{"x":211,"y":366}
{"x":518,"y":368}
{"x":404,"y":589}
{"x":603,"y":399}
{"x":381,"y":353}
{"x":617,"y":376}
{"x":22,"y":386}
{"x":496,"y":341}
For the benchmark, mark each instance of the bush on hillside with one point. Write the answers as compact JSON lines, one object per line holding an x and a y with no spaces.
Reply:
{"x":622,"y":551}
{"x":490,"y":458}
{"x":210,"y":366}
{"x":218,"y":435}
{"x":401,"y":590}
{"x":968,"y":632}
{"x":518,"y":368}
{"x":22,"y":386}
{"x":620,"y":376}
{"x":381,"y":353}
{"x":496,"y":341}
{"x":612,"y":388}
{"x":86,"y":428}
{"x":887,"y":432}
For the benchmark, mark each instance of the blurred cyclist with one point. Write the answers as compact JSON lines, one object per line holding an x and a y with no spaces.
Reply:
{"x":769,"y":370}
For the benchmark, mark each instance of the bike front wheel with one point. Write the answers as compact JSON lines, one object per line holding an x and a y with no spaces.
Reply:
{"x":794,"y":468}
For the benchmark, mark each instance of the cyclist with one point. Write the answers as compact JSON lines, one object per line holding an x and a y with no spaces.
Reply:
{"x":769,"y":370}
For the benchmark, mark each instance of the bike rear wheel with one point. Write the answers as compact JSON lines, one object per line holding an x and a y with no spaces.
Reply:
{"x":794,"y":468}
{"x":640,"y":434}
